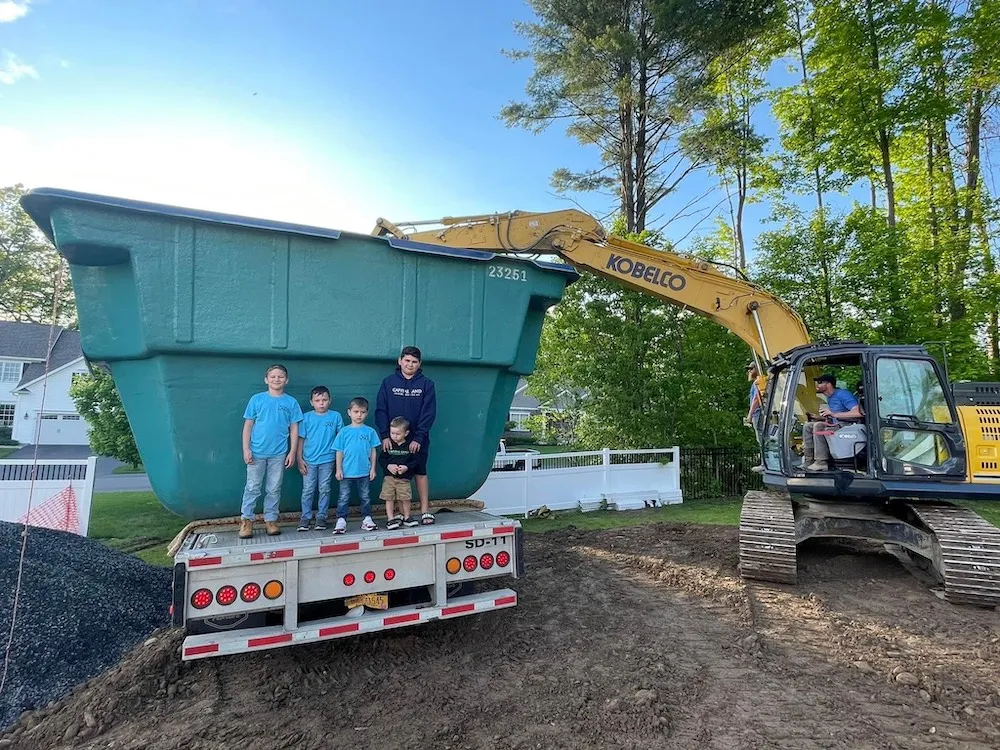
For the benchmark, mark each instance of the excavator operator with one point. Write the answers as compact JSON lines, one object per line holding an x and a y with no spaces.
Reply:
{"x":840,"y":404}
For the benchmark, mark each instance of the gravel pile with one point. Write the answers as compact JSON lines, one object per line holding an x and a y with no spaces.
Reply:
{"x":81,"y":607}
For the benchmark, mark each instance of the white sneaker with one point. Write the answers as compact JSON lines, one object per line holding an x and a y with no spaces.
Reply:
{"x":368,"y":524}
{"x":341,"y":526}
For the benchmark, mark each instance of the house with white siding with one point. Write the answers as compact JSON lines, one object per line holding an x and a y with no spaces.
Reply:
{"x":34,"y":396}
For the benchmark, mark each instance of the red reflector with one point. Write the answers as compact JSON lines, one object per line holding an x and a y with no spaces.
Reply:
{"x":501,"y":530}
{"x":456,"y":534}
{"x":326,"y":549}
{"x":505,"y":600}
{"x":250,"y":592}
{"x":226,"y":595}
{"x":396,"y":541}
{"x":486,"y":561}
{"x":349,"y":579}
{"x":199,"y":562}
{"x":210,"y":648}
{"x":339,"y":630}
{"x":170,"y":610}
{"x":269,"y":640}
{"x":400,"y":619}
{"x":458,"y":610}
{"x":278,"y":554}
{"x":503,"y":559}
{"x":201,"y":598}
{"x":370,"y":576}
{"x":469,"y":563}
{"x":389,"y":574}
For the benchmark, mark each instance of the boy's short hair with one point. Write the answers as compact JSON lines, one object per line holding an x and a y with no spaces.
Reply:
{"x":827,"y":378}
{"x":275,"y":367}
{"x":411,"y":351}
{"x":401,"y":422}
{"x":359,"y":401}
{"x":319,"y":390}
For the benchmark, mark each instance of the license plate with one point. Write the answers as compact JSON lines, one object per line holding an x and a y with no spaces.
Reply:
{"x":375,"y":601}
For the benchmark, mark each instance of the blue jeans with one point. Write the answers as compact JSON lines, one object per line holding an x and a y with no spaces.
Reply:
{"x":273,"y":469}
{"x":322,"y":475}
{"x":362,"y":483}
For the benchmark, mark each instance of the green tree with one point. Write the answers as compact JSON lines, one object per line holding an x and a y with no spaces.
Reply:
{"x":33,"y":277}
{"x":97,"y":400}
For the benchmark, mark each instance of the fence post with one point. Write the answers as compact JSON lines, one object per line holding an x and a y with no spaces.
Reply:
{"x":606,"y":473}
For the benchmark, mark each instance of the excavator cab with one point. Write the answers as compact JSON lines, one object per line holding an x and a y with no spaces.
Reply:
{"x":907,"y":434}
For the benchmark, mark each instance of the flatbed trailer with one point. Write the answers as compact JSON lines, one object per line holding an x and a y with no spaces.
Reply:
{"x":235,"y":595}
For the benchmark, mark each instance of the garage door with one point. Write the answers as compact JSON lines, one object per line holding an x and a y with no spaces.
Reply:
{"x":62,"y":429}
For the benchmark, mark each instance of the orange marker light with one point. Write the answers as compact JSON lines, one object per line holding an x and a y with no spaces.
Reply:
{"x":273,"y":589}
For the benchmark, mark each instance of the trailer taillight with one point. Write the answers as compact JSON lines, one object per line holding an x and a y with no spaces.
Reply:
{"x":503,"y":559}
{"x":250,"y":592}
{"x":226,"y":595}
{"x":486,"y":561}
{"x":370,"y":576}
{"x":201,"y":598}
{"x":349,"y":579}
{"x":273,"y":589}
{"x":453,"y":565}
{"x":389,"y":574}
{"x":469,"y":563}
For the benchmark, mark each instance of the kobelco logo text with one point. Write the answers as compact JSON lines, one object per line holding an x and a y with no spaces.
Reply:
{"x":652,"y":274}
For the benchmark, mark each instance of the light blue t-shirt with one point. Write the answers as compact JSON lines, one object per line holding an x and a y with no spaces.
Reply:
{"x":356,"y":443}
{"x":841,"y":401}
{"x":319,"y":431}
{"x":273,"y":416}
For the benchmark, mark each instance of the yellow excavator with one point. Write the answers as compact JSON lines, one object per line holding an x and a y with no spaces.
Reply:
{"x":899,"y":464}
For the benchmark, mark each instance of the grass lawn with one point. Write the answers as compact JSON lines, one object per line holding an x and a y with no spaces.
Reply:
{"x":126,"y":469}
{"x":6,"y":450}
{"x":135,"y":522}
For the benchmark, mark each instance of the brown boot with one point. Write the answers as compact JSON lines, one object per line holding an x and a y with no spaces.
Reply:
{"x":246,"y":528}
{"x":272,"y":528}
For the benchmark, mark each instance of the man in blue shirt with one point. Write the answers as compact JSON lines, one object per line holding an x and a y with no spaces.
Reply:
{"x":840,"y":404}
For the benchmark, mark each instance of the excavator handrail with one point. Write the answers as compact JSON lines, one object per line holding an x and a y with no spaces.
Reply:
{"x":762,"y":320}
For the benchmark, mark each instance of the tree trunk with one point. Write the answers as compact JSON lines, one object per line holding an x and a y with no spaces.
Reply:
{"x":884,"y":139}
{"x":993,"y":315}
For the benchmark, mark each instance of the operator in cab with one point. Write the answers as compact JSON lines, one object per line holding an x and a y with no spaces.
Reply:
{"x":840,"y":404}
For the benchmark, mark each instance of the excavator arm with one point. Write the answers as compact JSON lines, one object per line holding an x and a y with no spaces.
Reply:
{"x":759,"y":318}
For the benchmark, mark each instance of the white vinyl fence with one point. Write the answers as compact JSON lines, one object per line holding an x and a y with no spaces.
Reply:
{"x":615,"y":479}
{"x":54,"y":494}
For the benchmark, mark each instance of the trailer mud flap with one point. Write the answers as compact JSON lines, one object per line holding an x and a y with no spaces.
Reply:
{"x":519,"y":552}
{"x":177,"y":600}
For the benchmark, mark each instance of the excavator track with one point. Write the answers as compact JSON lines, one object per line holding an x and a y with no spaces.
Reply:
{"x":767,"y":537}
{"x":968,"y":553}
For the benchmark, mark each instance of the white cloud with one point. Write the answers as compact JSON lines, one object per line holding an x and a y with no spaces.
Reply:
{"x":11,"y":10}
{"x":13,"y":69}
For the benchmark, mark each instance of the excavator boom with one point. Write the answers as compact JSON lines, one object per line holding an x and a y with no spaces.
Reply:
{"x":756,"y":316}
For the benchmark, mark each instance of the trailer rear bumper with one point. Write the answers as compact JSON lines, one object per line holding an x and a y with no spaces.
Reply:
{"x":259,"y":639}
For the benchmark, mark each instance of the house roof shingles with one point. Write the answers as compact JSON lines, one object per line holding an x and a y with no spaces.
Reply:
{"x":31,"y":341}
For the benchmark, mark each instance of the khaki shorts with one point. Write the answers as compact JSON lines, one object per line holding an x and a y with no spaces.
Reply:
{"x":395,"y":489}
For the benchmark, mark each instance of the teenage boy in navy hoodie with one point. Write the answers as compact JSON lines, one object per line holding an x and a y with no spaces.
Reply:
{"x":408,"y":393}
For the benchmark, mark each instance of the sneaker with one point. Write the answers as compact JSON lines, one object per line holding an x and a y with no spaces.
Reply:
{"x":272,"y":528}
{"x":411,"y":522}
{"x":818,"y":466}
{"x":341,"y":526}
{"x":246,"y":528}
{"x":394,"y":523}
{"x":368,"y":524}
{"x":320,"y":524}
{"x":304,"y":525}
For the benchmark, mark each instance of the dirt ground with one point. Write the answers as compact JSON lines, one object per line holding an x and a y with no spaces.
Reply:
{"x":633,"y":638}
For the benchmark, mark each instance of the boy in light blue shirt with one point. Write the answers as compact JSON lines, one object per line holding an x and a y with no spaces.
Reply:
{"x":316,"y":455}
{"x":270,"y":442}
{"x":355,"y":446}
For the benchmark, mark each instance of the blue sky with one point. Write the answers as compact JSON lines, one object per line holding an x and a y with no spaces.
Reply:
{"x":319,"y":111}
